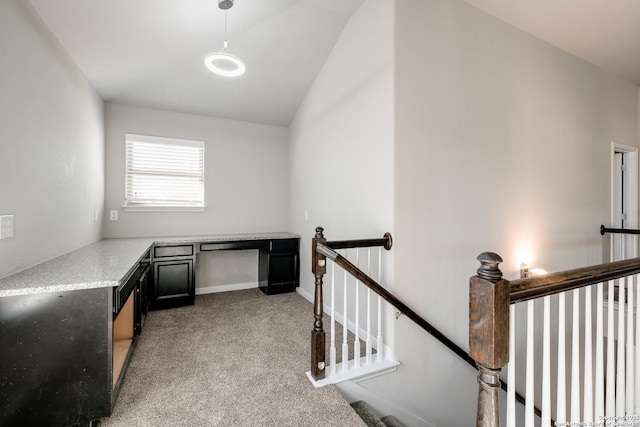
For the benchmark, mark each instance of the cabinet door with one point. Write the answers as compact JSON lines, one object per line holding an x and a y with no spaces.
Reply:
{"x":173,"y":284}
{"x":143,"y":299}
{"x":283,"y":272}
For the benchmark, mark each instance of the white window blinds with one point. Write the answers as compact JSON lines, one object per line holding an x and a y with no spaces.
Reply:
{"x":164,"y":172}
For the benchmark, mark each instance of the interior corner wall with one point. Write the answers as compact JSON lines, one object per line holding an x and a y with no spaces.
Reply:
{"x":503,"y":144}
{"x":246,"y":174}
{"x":341,"y":139}
{"x":51,"y":144}
{"x":246,"y":190}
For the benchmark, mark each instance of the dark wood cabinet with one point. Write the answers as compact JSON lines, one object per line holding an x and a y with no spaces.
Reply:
{"x":143,"y":297}
{"x":279,"y":266}
{"x":128,"y":312}
{"x":55,"y":358}
{"x":173,"y":284}
{"x":76,"y":344}
{"x":173,"y":276}
{"x":173,"y":280}
{"x":69,"y":349}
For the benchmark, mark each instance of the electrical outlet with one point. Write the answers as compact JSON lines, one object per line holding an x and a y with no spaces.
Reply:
{"x":6,"y":226}
{"x":113,"y":215}
{"x":95,"y":216}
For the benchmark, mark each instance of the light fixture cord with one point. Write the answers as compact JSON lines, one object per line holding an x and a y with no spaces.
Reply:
{"x":225,"y":44}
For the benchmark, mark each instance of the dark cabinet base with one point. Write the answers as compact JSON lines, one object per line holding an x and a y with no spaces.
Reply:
{"x":173,"y":282}
{"x":273,"y":290}
{"x":279,"y":270}
{"x":55,"y":351}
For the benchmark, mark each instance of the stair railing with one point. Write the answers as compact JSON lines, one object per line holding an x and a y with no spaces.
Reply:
{"x":323,"y":250}
{"x":604,"y":382}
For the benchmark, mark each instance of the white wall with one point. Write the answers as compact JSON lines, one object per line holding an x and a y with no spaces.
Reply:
{"x":502,"y":143}
{"x":51,"y":144}
{"x":246,"y":176}
{"x":341,"y":139}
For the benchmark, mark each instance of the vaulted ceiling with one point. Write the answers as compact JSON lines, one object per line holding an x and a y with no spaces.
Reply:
{"x":150,"y":52}
{"x":604,"y":33}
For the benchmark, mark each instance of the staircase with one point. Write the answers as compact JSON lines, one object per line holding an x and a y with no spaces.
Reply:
{"x":371,"y":418}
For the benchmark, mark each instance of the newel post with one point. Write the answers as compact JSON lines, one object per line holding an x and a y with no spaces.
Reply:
{"x":319,"y":268}
{"x":489,"y":333}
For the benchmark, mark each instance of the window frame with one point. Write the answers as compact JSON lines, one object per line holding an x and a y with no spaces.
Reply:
{"x":131,"y":138}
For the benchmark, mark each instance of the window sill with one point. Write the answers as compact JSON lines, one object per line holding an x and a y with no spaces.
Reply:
{"x":164,"y":208}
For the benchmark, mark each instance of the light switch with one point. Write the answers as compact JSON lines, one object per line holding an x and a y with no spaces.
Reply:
{"x":6,"y":226}
{"x":113,"y":215}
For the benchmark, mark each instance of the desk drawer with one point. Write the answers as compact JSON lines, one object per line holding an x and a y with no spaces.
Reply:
{"x":172,"y":251}
{"x":283,"y":244}
{"x":233,"y":245}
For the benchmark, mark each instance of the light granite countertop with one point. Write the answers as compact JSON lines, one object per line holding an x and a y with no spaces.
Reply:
{"x":105,"y":263}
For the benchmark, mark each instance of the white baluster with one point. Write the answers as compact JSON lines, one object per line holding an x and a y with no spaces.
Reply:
{"x":588,"y":358}
{"x":332,"y":348}
{"x":356,"y":343}
{"x":636,"y":407}
{"x":610,"y":393}
{"x":561,"y":404}
{"x":345,"y":320}
{"x":599,"y":379}
{"x":630,"y":404}
{"x":511,"y":369}
{"x":575,"y":359}
{"x":546,"y":362}
{"x":620,"y":365}
{"x":529,"y":387}
{"x":369,"y":339}
{"x":380,"y":342}
{"x":637,"y":355}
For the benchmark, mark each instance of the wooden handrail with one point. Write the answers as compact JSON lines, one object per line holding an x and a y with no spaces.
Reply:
{"x":386,"y":242}
{"x":604,"y":230}
{"x":489,"y":298}
{"x":326,"y":250}
{"x":549,"y":284}
{"x":394,"y":301}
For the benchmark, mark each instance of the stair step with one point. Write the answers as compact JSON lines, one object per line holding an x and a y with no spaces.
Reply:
{"x":371,"y":419}
{"x":391,"y":421}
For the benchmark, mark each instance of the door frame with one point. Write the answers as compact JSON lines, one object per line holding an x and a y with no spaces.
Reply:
{"x":630,"y":193}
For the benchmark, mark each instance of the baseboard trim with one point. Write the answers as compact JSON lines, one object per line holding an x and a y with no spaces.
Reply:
{"x":226,"y":288}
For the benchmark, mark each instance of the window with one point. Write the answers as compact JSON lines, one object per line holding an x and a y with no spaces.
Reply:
{"x":164,"y":173}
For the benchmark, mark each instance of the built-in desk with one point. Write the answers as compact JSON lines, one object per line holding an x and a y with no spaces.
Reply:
{"x":68,"y":326}
{"x":174,"y":264}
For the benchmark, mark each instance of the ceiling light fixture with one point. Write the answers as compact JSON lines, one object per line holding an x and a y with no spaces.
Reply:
{"x":221,"y":63}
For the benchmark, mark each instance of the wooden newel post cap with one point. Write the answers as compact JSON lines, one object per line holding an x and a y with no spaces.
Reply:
{"x":489,"y":269}
{"x":489,"y":313}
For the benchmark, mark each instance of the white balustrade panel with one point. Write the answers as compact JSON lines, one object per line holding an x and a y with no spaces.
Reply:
{"x":359,"y":312}
{"x":574,"y":359}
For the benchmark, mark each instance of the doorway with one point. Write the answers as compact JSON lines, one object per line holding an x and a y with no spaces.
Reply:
{"x":624,"y":200}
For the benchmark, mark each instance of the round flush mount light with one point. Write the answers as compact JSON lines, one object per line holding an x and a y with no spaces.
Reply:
{"x":224,"y":64}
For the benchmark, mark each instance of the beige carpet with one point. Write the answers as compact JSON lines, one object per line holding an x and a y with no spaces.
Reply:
{"x":233,"y":359}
